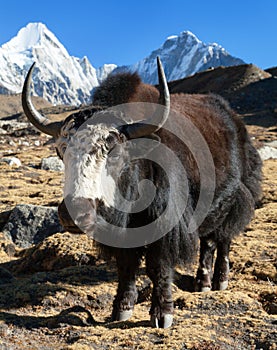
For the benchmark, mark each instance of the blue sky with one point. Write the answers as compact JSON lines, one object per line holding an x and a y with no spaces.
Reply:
{"x":123,"y":32}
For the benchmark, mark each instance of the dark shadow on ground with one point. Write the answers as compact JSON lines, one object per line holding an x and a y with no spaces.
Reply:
{"x":24,"y":290}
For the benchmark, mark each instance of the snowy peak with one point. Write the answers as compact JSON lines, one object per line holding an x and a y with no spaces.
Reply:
{"x":183,"y":55}
{"x":64,"y":79}
{"x":58,"y":77}
{"x":33,"y":36}
{"x":185,"y":37}
{"x":104,"y":71}
{"x":27,"y":38}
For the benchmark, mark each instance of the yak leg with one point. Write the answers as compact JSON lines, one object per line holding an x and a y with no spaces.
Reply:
{"x":161,"y":275}
{"x":128,"y":262}
{"x":204,"y":272}
{"x":206,"y":279}
{"x":221,"y":269}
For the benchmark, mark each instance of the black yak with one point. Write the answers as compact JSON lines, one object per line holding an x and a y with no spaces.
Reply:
{"x":196,"y":153}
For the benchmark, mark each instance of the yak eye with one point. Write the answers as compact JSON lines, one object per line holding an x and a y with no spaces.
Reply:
{"x":114,"y":154}
{"x":112,"y":139}
{"x":61,"y":150}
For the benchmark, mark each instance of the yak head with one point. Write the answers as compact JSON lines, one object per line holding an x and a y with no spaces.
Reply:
{"x":91,"y":144}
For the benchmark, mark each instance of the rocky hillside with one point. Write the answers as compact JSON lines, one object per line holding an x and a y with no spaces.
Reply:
{"x":55,"y":291}
{"x":250,"y":90}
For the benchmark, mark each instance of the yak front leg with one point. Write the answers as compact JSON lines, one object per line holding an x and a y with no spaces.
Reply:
{"x":128,"y":261}
{"x":161,"y":275}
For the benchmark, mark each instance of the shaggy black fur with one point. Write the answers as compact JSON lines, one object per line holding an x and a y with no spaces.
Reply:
{"x":238,"y":176}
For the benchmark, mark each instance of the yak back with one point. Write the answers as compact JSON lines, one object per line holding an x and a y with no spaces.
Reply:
{"x":213,"y":119}
{"x":124,"y":88}
{"x":235,"y":159}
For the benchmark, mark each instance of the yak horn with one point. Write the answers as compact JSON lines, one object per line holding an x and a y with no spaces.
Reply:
{"x":158,"y":119}
{"x":38,"y":120}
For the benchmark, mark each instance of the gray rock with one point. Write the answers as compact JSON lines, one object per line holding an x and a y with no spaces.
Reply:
{"x":12,"y":161}
{"x":267,"y":152}
{"x":11,"y":125}
{"x":16,"y":129}
{"x":30,"y":224}
{"x":52,"y":163}
{"x":272,"y":143}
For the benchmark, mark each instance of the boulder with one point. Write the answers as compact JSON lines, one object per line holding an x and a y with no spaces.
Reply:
{"x":268,"y":152}
{"x":11,"y":161}
{"x":52,"y":163}
{"x":30,"y":224}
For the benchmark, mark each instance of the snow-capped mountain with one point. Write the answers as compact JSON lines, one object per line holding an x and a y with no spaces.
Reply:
{"x":182,"y":56}
{"x":64,"y":79}
{"x":104,"y":71}
{"x":58,"y":77}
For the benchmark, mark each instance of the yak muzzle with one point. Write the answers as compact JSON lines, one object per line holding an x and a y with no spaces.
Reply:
{"x":77,"y":215}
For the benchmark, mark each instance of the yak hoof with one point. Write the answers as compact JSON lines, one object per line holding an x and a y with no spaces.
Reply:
{"x":199,"y":287}
{"x":220,"y":285}
{"x":122,"y":315}
{"x":164,"y":322}
{"x":223,"y":285}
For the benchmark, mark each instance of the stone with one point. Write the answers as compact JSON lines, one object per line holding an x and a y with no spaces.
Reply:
{"x":267,"y":152}
{"x":30,"y":224}
{"x":12,"y":161}
{"x":52,"y":163}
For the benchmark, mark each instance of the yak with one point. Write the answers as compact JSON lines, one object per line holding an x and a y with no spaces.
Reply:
{"x":192,"y":148}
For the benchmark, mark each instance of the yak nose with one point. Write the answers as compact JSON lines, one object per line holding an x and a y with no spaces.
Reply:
{"x":77,"y":214}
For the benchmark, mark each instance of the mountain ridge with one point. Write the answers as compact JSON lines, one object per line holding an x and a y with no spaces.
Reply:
{"x":64,"y":79}
{"x":182,"y":56}
{"x":250,"y":91}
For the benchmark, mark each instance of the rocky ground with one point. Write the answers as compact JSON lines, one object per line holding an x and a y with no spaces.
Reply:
{"x":57,"y":294}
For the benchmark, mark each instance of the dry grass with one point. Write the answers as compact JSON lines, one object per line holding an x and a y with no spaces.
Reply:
{"x":58,"y":295}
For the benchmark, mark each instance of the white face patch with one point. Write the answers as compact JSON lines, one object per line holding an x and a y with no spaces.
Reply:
{"x":85,"y":159}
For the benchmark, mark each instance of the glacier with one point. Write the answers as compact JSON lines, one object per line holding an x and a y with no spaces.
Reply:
{"x":64,"y":79}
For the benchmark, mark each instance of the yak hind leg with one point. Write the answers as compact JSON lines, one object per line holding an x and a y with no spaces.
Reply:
{"x":161,"y":274}
{"x":221,"y":269}
{"x":206,"y":278}
{"x":128,"y":261}
{"x":239,"y":215}
{"x":205,"y":269}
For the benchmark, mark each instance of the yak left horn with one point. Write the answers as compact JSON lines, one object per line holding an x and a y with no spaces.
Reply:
{"x":41,"y":122}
